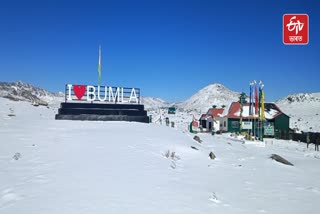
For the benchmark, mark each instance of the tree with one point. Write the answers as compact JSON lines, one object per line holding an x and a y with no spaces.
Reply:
{"x":242,"y":98}
{"x":214,"y":106}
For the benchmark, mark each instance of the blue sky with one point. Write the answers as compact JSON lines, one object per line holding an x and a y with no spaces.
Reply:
{"x":170,"y":49}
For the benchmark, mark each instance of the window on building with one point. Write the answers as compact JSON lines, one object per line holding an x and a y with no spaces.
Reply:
{"x":235,"y":124}
{"x":269,"y":123}
{"x":224,"y":124}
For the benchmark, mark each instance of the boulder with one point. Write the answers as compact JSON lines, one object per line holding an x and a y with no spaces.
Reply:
{"x":212,"y":156}
{"x":280,"y":159}
{"x":195,"y":148}
{"x":197,"y":138}
{"x":17,"y":156}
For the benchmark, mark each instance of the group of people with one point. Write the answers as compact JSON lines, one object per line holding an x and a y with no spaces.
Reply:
{"x":167,"y":121}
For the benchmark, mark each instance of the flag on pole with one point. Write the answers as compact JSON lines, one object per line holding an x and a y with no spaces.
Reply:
{"x":250,"y":101}
{"x":256,"y":101}
{"x":99,"y":66}
{"x":262,"y":115}
{"x":260,"y":96}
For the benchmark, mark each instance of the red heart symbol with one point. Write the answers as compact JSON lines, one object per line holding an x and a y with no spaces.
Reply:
{"x":79,"y":90}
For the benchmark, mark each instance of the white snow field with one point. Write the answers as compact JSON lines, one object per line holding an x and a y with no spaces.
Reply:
{"x":76,"y":167}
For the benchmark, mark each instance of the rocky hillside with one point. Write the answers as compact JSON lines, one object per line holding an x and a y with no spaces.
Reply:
{"x":19,"y":91}
{"x":300,"y":98}
{"x":303,"y":109}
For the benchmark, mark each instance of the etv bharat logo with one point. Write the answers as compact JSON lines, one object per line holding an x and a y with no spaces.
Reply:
{"x":295,"y":29}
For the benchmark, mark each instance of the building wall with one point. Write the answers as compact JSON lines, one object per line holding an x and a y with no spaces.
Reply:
{"x":216,"y":125}
{"x":222,"y":121}
{"x":282,"y":123}
{"x":233,"y":125}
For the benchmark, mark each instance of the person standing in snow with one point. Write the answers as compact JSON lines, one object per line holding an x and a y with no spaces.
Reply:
{"x":308,"y":139}
{"x":317,"y":143}
{"x":167,"y":121}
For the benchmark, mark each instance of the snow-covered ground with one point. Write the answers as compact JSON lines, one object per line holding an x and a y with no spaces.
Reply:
{"x":50,"y":166}
{"x":181,"y":119}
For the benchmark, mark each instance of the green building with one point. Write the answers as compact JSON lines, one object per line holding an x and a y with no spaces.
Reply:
{"x":172,"y":110}
{"x":275,"y":125}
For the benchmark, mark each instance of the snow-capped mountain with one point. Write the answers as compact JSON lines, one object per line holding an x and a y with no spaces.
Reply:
{"x":151,"y":103}
{"x":214,"y":94}
{"x":304,"y":110}
{"x":19,"y":91}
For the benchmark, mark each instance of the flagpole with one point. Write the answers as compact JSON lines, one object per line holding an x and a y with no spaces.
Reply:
{"x":262,"y":109}
{"x":256,"y":130}
{"x":251,"y":106}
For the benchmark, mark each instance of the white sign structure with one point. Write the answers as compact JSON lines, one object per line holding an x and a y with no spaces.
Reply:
{"x":269,"y":130}
{"x":247,"y":125}
{"x":101,"y":93}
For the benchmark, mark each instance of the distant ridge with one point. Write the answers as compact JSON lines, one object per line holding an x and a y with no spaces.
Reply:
{"x":151,"y":103}
{"x":300,"y":98}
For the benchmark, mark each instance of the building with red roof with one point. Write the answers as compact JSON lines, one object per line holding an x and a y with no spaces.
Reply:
{"x":228,"y":120}
{"x":275,"y":119}
{"x":210,"y":120}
